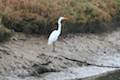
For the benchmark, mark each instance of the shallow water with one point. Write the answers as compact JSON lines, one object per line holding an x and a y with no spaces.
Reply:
{"x":111,"y":76}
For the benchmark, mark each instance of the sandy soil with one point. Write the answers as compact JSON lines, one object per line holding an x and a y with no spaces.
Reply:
{"x":32,"y":57}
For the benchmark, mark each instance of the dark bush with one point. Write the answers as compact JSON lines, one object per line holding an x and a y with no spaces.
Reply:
{"x":26,"y":22}
{"x":5,"y":34}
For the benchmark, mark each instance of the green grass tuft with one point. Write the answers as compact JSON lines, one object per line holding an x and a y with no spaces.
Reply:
{"x":5,"y":34}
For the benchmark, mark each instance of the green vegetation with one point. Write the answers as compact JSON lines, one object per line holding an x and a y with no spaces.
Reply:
{"x":40,"y":16}
{"x":5,"y":34}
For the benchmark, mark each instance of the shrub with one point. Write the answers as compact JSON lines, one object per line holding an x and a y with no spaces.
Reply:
{"x":25,"y":22}
{"x":5,"y":34}
{"x":37,"y":16}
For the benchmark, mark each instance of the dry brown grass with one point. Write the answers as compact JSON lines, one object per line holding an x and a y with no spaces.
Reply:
{"x":79,"y":11}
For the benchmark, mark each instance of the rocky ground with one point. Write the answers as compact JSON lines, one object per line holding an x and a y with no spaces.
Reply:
{"x":30,"y":58}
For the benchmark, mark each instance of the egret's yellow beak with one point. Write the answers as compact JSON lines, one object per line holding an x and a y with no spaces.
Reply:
{"x":65,"y":18}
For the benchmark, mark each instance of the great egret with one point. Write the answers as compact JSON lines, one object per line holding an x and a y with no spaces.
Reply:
{"x":55,"y":34}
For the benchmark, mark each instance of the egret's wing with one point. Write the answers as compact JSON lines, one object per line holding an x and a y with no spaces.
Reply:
{"x":53,"y":37}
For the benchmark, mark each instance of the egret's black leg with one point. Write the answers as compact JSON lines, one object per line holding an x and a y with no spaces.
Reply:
{"x":53,"y":47}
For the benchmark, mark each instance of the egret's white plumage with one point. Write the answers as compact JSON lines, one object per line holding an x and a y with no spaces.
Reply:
{"x":55,"y":34}
{"x":53,"y":37}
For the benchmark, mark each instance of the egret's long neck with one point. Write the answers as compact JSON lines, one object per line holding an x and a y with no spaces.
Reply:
{"x":59,"y":25}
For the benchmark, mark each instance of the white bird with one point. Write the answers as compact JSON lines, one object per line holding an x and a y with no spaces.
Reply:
{"x":55,"y":34}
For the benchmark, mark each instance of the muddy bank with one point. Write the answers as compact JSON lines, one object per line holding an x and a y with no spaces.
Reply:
{"x":30,"y":58}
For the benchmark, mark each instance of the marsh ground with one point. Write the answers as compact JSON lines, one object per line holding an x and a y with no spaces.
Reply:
{"x":30,"y":56}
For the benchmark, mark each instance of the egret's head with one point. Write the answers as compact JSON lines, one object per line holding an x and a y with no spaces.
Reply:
{"x":62,"y":18}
